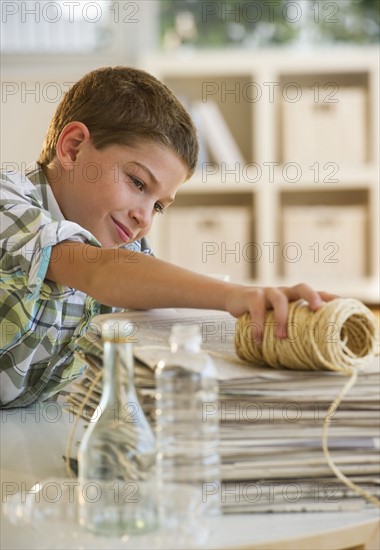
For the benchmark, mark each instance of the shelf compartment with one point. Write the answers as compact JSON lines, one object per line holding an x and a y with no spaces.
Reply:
{"x":211,"y":235}
{"x":324,"y":238}
{"x":231,"y":93}
{"x":324,"y":118}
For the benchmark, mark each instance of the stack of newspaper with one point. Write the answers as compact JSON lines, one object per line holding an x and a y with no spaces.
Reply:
{"x":271,"y":420}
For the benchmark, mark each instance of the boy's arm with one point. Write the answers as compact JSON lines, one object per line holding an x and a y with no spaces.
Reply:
{"x":127,"y":279}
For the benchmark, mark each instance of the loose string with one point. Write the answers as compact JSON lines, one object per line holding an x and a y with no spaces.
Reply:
{"x":78,"y":414}
{"x":326,"y":424}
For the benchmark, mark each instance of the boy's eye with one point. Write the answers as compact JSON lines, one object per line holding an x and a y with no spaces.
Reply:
{"x":159,"y":208}
{"x":136,"y":182}
{"x":140,"y":185}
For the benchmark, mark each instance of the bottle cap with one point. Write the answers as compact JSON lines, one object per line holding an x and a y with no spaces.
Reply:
{"x":185,"y":334}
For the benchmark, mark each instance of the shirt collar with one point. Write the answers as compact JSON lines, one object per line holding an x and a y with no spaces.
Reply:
{"x":36,"y":175}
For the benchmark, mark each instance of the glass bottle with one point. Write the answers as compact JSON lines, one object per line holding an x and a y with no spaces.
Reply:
{"x":117,"y":454}
{"x":187,"y":418}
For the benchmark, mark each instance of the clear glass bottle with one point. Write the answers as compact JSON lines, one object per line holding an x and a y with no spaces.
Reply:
{"x":187,"y":417}
{"x":117,"y":455}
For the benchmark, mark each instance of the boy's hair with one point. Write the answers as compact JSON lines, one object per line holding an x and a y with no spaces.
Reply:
{"x":123,"y":105}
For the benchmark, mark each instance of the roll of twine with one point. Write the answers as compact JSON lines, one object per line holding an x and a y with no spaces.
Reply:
{"x":340,"y":336}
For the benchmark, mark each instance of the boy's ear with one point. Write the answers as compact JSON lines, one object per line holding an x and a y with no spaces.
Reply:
{"x":69,"y":142}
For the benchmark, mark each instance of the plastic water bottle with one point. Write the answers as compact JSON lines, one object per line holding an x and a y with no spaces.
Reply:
{"x":187,"y":419}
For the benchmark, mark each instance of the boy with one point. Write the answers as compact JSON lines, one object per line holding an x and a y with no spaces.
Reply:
{"x":73,"y":230}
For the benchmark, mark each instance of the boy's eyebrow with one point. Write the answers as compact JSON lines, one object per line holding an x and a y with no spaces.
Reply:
{"x":152,"y":177}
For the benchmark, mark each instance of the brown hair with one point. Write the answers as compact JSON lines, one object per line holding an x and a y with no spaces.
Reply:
{"x":123,"y":105}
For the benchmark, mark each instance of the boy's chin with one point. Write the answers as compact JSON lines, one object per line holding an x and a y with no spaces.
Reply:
{"x":108,"y":242}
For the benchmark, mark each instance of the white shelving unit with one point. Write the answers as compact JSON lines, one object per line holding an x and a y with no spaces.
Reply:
{"x":306,"y":124}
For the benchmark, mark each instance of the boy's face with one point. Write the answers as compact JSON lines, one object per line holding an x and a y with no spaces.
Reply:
{"x":116,"y":192}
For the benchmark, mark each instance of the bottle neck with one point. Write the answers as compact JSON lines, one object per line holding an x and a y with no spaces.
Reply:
{"x":118,"y":379}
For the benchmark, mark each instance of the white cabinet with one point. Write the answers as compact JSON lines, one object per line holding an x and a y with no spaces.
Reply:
{"x":306,"y":127}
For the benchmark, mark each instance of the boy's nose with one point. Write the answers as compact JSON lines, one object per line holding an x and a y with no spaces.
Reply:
{"x":142,"y":216}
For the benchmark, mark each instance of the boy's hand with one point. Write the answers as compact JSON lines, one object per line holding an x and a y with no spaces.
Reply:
{"x":256,"y":300}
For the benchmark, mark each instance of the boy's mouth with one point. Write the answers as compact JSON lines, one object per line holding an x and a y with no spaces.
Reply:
{"x":123,"y":232}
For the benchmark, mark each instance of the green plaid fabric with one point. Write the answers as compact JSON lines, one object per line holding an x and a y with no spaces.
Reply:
{"x":40,"y":321}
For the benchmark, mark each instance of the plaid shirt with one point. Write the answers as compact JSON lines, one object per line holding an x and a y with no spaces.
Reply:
{"x":40,"y":321}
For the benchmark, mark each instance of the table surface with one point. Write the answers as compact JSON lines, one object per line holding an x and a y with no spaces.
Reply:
{"x":33,"y":441}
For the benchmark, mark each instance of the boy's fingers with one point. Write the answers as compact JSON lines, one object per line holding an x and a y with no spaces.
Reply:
{"x":302,"y":291}
{"x":279,"y":302}
{"x":275,"y":299}
{"x":257,"y":312}
{"x":327,"y":296}
{"x":314,"y":298}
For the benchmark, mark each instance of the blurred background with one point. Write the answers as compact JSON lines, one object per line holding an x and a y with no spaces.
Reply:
{"x":285,"y":97}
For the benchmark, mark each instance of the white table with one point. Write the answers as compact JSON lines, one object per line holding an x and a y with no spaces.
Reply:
{"x":33,"y":441}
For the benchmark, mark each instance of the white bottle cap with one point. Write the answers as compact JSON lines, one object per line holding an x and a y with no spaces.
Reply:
{"x":185,"y":334}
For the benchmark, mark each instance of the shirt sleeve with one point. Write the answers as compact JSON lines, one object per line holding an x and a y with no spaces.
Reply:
{"x":27,"y":234}
{"x":141,"y":245}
